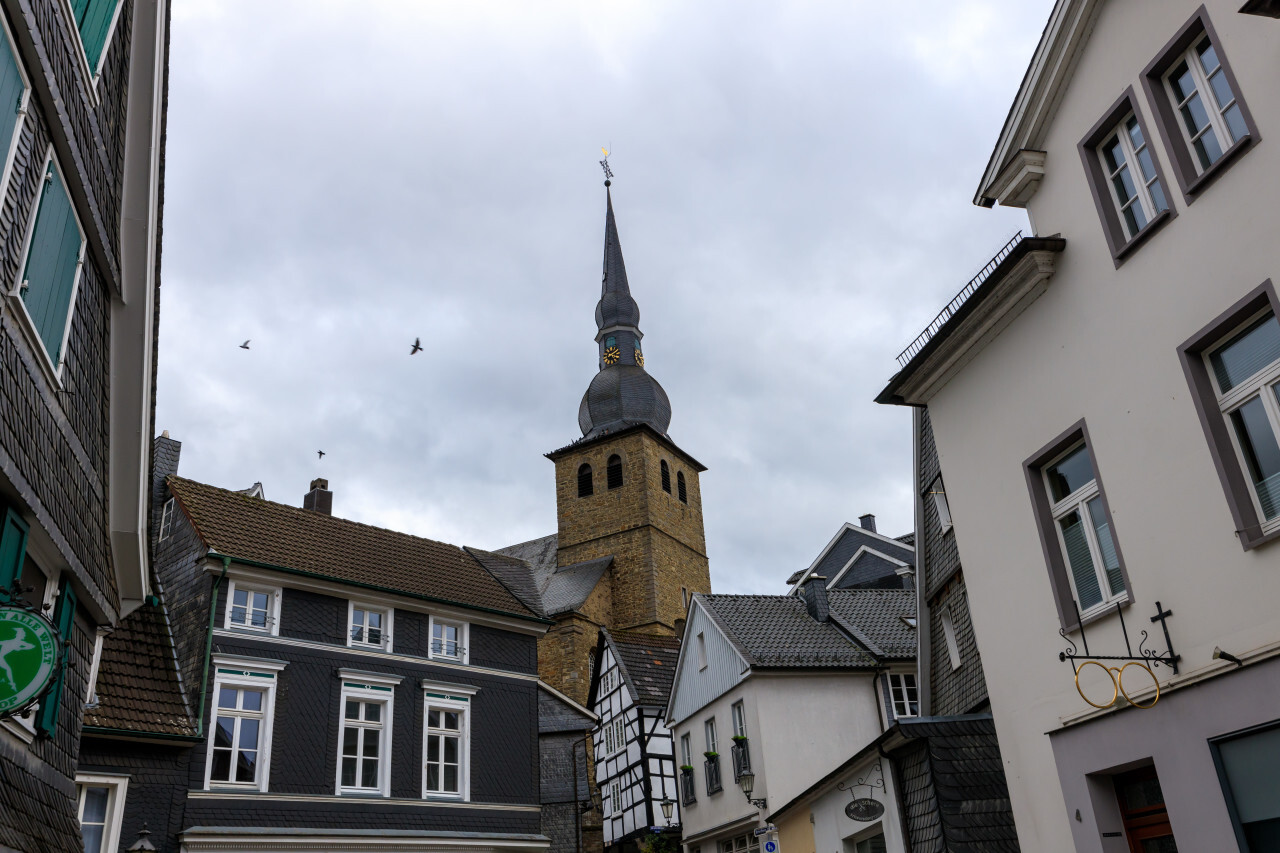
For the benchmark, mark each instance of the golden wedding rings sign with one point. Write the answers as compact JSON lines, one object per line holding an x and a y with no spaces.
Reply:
{"x":1115,"y":674}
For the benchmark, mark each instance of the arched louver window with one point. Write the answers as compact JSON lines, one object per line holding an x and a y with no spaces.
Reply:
{"x":684,"y":497}
{"x":614,"y":472}
{"x":586,"y":487}
{"x":666,"y":477}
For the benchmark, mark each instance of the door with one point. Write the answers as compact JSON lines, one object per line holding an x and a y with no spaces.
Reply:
{"x":1146,"y":821}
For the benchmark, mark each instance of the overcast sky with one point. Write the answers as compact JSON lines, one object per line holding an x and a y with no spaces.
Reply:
{"x":793,"y":185}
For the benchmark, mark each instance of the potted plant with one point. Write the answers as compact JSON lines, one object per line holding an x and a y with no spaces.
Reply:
{"x":687,"y":767}
{"x":739,"y":738}
{"x":710,"y":755}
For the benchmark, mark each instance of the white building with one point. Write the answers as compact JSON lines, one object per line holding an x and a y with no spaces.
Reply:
{"x":777,"y":687}
{"x":634,"y":759}
{"x":1104,"y":401}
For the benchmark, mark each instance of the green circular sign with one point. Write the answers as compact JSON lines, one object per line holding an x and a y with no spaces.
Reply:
{"x":28,"y":655}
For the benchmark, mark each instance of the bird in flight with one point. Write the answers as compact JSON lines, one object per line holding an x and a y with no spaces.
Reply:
{"x":321,"y":452}
{"x":417,"y":346}
{"x":244,"y":345}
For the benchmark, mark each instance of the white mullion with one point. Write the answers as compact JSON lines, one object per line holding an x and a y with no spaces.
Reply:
{"x":1240,"y":394}
{"x":1141,"y":195}
{"x":1095,"y":551}
{"x":1210,"y":98}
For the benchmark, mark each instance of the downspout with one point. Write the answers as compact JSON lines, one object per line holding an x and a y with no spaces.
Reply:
{"x":895,"y":771}
{"x":208,"y":645}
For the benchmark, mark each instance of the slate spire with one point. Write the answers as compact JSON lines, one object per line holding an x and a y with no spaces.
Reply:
{"x":622,"y":394}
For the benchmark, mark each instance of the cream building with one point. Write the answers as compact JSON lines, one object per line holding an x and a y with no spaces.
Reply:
{"x":1104,"y":400}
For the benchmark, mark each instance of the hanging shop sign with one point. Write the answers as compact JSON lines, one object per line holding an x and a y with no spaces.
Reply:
{"x":865,"y":809}
{"x":29,"y":649}
{"x":1142,"y":664}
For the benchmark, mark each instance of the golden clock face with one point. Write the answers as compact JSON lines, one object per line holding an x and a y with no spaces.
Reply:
{"x":611,"y":355}
{"x":639,"y":358}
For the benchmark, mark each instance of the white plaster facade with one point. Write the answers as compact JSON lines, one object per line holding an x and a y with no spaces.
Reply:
{"x":1100,"y":343}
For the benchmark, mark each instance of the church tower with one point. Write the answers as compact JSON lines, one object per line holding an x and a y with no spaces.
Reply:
{"x":625,"y":490}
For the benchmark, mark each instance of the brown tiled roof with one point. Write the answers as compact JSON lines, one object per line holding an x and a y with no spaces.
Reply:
{"x":259,"y":531}
{"x":138,"y":686}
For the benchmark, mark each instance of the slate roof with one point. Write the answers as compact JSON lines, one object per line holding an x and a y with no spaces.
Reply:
{"x":776,"y":631}
{"x":847,"y":542}
{"x":561,"y":589}
{"x":515,"y":574}
{"x":260,"y":531}
{"x":875,"y":617}
{"x":138,"y":687}
{"x":648,"y":664}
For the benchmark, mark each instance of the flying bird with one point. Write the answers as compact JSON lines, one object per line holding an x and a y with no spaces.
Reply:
{"x":417,"y":346}
{"x":244,"y":345}
{"x":321,"y":452}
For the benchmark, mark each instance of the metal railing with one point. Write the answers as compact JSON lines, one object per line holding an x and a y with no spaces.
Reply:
{"x":688,"y":794}
{"x":954,"y":305}
{"x":741,"y":755}
{"x":713,"y":776}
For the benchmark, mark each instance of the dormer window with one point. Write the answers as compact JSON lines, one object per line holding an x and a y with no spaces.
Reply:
{"x":613,"y":472}
{"x":253,"y":608}
{"x":586,"y":487}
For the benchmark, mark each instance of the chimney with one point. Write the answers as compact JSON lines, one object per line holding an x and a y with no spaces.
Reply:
{"x":815,"y":597}
{"x":319,"y":499}
{"x":867,"y":522}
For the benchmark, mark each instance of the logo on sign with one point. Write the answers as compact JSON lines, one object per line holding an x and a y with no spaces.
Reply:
{"x":864,"y":809}
{"x":771,"y":847}
{"x":28,"y":655}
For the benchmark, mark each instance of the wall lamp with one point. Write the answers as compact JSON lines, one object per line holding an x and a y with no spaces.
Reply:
{"x":1219,"y":654}
{"x":747,"y":781}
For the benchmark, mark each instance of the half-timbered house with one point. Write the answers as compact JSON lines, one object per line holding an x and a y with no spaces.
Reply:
{"x":82,"y":106}
{"x":634,"y":750}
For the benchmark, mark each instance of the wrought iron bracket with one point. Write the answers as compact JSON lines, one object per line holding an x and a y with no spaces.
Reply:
{"x":1150,"y":657}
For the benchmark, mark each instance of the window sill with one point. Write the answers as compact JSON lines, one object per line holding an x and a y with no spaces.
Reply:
{"x":363,"y":794}
{"x":1192,"y":190}
{"x":252,"y":632}
{"x":1159,"y":221}
{"x":1100,"y":612}
{"x":1266,"y":537}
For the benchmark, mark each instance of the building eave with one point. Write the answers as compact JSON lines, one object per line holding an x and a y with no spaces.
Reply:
{"x":1040,"y":93}
{"x":1012,"y":287}
{"x":600,"y":439}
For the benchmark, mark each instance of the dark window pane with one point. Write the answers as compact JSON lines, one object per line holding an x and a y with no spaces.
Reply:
{"x":1208,"y":149}
{"x":433,"y":718}
{"x":369,"y":777}
{"x":350,"y":740}
{"x":227,"y":697}
{"x":1135,"y":134}
{"x":1250,"y":766}
{"x":353,"y":710}
{"x":1148,"y":167}
{"x":246,"y":764}
{"x":451,"y":720}
{"x":95,"y":804}
{"x":1140,"y":793}
{"x":1107,"y":545}
{"x":221,"y":770}
{"x":1113,"y":154}
{"x":259,"y":601}
{"x":92,"y":838}
{"x":1221,"y":90}
{"x":1208,"y":57}
{"x":372,"y":712}
{"x":1080,"y":560}
{"x":223,"y":733}
{"x":1157,"y":196}
{"x":251,"y":700}
{"x":1246,"y":353}
{"x":1135,"y":218}
{"x":433,"y":778}
{"x":371,"y":739}
{"x":1182,"y":82}
{"x":1124,"y":185}
{"x":249,"y":734}
{"x":1235,"y":122}
{"x":451,"y":779}
{"x":1074,"y":471}
{"x":349,"y":772}
{"x":433,"y":748}
{"x":238,"y":615}
{"x":241,"y":598}
{"x":1261,"y":453}
{"x":451,"y":750}
{"x":357,"y":633}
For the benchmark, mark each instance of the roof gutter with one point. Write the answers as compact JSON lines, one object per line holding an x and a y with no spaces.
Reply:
{"x":227,"y":558}
{"x":134,"y":734}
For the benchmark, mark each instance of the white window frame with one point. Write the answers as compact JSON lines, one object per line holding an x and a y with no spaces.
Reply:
{"x":367,"y":687}
{"x":710,"y":735}
{"x":449,"y":697}
{"x":738,"y":714}
{"x":941,"y":505}
{"x":166,"y":520}
{"x":1208,"y":97}
{"x":464,"y":640}
{"x":91,"y":75}
{"x":686,"y":750}
{"x":748,"y":843}
{"x":898,"y":687}
{"x":1078,"y":502}
{"x":119,"y":788}
{"x":618,"y":734}
{"x":253,"y":673}
{"x":615,"y":798}
{"x":949,"y":634}
{"x":53,"y":372}
{"x":1256,"y":385}
{"x":702,"y":651}
{"x":386,"y":613}
{"x":273,"y":607}
{"x":1142,"y":186}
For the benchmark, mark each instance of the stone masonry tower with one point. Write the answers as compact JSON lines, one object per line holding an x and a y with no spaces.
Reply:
{"x":625,"y":490}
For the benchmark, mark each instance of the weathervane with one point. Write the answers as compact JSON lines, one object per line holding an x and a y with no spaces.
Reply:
{"x":604,"y":164}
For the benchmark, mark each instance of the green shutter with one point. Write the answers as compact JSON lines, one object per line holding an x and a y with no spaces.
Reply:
{"x":94,"y":18}
{"x":50,"y":273}
{"x":11,"y":89}
{"x":13,"y":549}
{"x":65,"y":619}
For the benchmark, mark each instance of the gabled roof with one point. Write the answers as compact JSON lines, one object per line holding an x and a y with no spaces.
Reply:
{"x":776,"y":632}
{"x":138,"y":688}
{"x":647,"y":663}
{"x":260,"y":532}
{"x":876,"y":617}
{"x":515,"y":574}
{"x":569,"y":586}
{"x":1068,"y":28}
{"x":844,"y":546}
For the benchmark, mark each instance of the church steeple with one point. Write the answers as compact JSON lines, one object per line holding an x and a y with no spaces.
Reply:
{"x":622,"y":393}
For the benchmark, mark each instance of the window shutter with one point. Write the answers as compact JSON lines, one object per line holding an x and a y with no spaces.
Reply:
{"x":65,"y":618}
{"x":50,"y":273}
{"x":94,"y":21}
{"x":13,"y":548}
{"x":11,"y":89}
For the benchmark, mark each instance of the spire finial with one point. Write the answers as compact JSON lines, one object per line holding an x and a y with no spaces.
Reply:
{"x":604,"y":164}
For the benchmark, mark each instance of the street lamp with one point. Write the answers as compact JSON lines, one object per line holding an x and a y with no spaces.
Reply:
{"x":667,"y":805}
{"x":747,"y":781}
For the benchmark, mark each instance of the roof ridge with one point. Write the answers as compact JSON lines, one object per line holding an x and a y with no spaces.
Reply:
{"x":307,"y":513}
